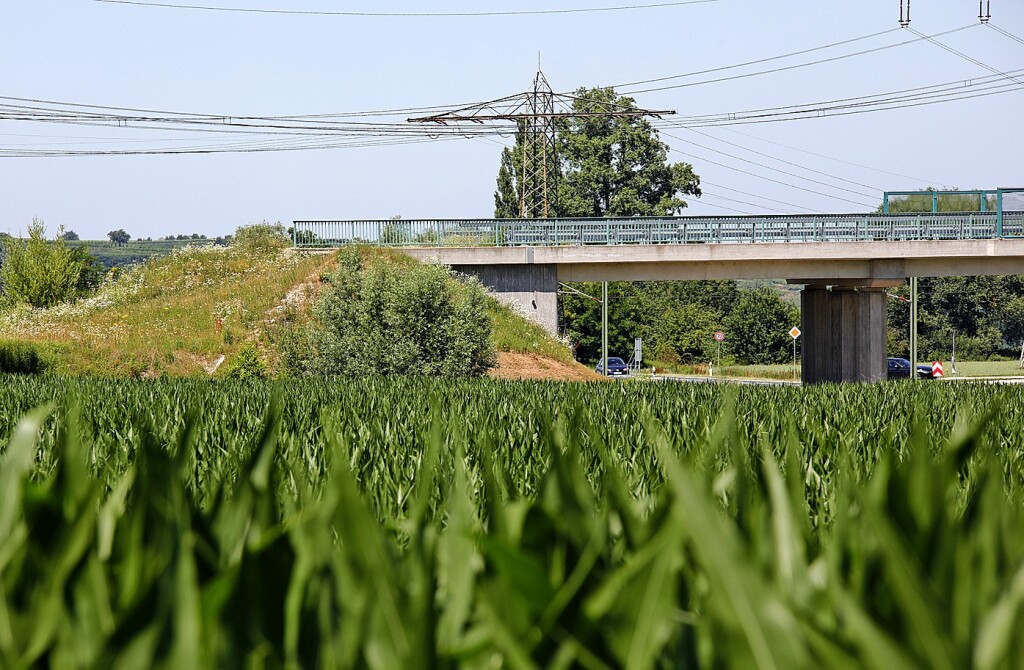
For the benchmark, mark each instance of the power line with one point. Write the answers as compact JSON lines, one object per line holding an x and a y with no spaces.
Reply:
{"x":744,"y":202}
{"x":305,"y":12}
{"x":965,"y":57}
{"x":833,"y":158}
{"x":769,"y":167}
{"x":927,"y":95}
{"x":711,"y":204}
{"x":759,"y":176}
{"x":785,"y":162}
{"x":758,"y":61}
{"x":797,"y":66}
{"x":1006,"y":33}
{"x":756,"y":195}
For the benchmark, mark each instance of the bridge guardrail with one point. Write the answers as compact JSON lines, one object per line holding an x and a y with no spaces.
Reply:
{"x":662,"y":230}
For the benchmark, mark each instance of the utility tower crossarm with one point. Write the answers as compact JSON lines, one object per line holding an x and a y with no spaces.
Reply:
{"x":535,"y":113}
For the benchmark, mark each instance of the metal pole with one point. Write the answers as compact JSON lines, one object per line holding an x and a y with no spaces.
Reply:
{"x":794,"y":359}
{"x":604,"y":328}
{"x":913,"y":327}
{"x":719,"y":356}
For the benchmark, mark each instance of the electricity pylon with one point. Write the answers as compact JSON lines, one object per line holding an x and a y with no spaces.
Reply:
{"x":536,"y":113}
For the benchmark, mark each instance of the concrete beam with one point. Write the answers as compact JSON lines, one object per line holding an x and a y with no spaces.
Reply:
{"x":800,"y":261}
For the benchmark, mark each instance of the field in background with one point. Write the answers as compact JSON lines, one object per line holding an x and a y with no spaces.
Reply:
{"x":135,"y":252}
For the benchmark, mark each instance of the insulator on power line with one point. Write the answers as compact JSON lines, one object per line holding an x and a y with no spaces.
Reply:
{"x":905,"y":22}
{"x":985,"y":15}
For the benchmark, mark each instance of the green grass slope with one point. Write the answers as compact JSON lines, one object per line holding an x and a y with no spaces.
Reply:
{"x":178,"y":314}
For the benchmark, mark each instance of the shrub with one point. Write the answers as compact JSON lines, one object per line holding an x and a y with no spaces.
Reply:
{"x":247,"y":364}
{"x":20,"y":358}
{"x":38,"y":272}
{"x":261,"y":238}
{"x":392,"y":320}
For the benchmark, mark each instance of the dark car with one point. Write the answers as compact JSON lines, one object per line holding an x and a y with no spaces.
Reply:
{"x":899,"y":368}
{"x":616,"y":367}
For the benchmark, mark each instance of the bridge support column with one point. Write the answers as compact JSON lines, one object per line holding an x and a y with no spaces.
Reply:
{"x":844,"y":334}
{"x":530,"y":289}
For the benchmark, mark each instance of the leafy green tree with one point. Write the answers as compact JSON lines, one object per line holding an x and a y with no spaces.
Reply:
{"x":687,"y":331}
{"x":758,"y":327}
{"x":506,"y":198}
{"x":393,"y":319}
{"x":261,"y":238}
{"x":91,"y":270}
{"x":39,"y":272}
{"x":69,"y":236}
{"x":119,"y":237}
{"x":608,"y":165}
{"x":616,"y":165}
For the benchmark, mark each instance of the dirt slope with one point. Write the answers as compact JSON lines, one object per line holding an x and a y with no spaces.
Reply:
{"x":534,"y":366}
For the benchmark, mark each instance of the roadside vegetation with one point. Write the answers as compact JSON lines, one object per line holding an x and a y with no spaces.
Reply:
{"x":255,"y":308}
{"x":377,"y":317}
{"x":174,"y":315}
{"x":396,"y":523}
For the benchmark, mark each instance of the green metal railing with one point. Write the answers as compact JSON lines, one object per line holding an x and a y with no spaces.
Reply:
{"x":660,"y":230}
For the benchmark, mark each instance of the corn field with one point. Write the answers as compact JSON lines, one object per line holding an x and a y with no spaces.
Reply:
{"x":481,"y":524}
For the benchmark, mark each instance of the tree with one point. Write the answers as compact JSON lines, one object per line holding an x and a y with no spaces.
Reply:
{"x":687,"y":331}
{"x":69,"y":236}
{"x":261,"y":238}
{"x":397,"y":319}
{"x":608,"y":165}
{"x":38,"y":272}
{"x":758,"y":327}
{"x":617,"y":166}
{"x":119,"y":237}
{"x":506,"y":198}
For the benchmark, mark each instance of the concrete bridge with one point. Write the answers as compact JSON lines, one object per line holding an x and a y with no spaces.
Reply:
{"x":845,"y":262}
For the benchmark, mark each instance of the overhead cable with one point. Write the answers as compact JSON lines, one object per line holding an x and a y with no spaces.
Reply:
{"x":967,"y":58}
{"x":763,"y":177}
{"x":837,"y":160}
{"x":797,"y":66}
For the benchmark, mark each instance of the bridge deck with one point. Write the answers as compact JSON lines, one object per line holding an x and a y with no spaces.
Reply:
{"x":666,"y":230}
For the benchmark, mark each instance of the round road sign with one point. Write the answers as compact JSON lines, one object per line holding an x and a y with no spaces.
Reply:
{"x":795,"y":333}
{"x":719,"y":336}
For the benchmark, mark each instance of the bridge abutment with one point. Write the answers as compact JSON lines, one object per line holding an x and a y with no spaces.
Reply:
{"x":844,"y":334}
{"x":532,"y":289}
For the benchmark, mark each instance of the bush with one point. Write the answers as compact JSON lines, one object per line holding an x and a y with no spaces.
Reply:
{"x":247,"y":364}
{"x":392,"y":320}
{"x":261,"y":238}
{"x":20,"y":358}
{"x":38,"y":272}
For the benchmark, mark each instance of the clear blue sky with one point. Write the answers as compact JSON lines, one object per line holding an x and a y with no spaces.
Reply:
{"x":267,"y":64}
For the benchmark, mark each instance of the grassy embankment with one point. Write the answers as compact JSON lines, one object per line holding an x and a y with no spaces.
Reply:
{"x":179,"y":314}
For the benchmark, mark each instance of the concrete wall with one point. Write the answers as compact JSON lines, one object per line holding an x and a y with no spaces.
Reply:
{"x":844,"y":334}
{"x":533,"y":288}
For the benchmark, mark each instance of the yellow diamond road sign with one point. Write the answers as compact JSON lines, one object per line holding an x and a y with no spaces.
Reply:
{"x":795,"y":333}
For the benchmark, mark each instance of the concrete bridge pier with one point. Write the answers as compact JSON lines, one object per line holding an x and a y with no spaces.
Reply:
{"x":530,"y":289}
{"x":844,"y":332}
